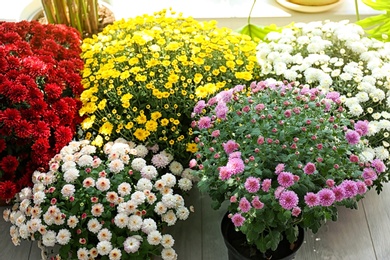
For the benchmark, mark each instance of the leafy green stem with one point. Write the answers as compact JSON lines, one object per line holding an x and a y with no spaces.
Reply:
{"x":357,"y":10}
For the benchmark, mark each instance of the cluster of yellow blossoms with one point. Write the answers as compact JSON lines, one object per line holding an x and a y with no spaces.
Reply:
{"x":143,"y":75}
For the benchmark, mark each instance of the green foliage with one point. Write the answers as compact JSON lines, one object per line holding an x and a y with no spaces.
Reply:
{"x":377,"y":26}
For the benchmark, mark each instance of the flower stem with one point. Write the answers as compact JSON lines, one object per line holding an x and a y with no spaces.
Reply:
{"x":250,"y":13}
{"x":357,"y":10}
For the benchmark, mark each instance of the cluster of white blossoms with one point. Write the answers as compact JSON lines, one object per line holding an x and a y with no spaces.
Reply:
{"x":86,"y":199}
{"x":336,"y":56}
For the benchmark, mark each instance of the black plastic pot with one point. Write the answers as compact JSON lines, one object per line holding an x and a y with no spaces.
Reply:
{"x":239,"y":250}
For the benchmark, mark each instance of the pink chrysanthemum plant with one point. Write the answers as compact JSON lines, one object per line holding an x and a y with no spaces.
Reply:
{"x":283,"y":156}
{"x":94,"y":206}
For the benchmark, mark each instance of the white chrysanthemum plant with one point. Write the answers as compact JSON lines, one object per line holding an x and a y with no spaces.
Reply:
{"x":337,"y":57}
{"x":116,"y":207}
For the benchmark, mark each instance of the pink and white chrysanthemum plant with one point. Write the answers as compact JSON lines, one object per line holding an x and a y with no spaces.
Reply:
{"x":283,"y":155}
{"x":112,"y":206}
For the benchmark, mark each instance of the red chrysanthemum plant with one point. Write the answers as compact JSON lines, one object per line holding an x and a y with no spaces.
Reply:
{"x":40,"y":86}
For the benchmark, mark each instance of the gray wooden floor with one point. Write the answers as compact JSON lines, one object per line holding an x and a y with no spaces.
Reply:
{"x":362,"y":234}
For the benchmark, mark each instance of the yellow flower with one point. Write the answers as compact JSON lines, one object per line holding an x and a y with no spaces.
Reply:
{"x":151,"y":125}
{"x":164,"y":122}
{"x":126,"y":97}
{"x":106,"y":128}
{"x":102,"y":104}
{"x":192,"y":148}
{"x":141,"y":119}
{"x":98,"y":141}
{"x":88,"y":122}
{"x":129,"y":125}
{"x":155,"y":115}
{"x":141,"y":134}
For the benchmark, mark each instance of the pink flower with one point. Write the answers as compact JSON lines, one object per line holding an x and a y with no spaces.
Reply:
{"x":199,"y":106}
{"x":350,"y":188}
{"x":224,"y":173}
{"x":338,"y":193}
{"x":235,"y":155}
{"x":361,"y":127}
{"x":288,"y":199}
{"x":333,"y":96}
{"x":369,"y":174}
{"x":279,"y":168}
{"x":354,"y":158}
{"x":233,"y":199}
{"x":215,"y":133}
{"x":326,"y":197}
{"x":287,"y":113}
{"x":309,"y":168}
{"x":244,"y":205}
{"x":192,"y":163}
{"x":266,"y":184}
{"x":286,"y":179}
{"x":330,"y":183}
{"x":230,"y":146}
{"x":236,"y":165}
{"x":362,"y":187}
{"x":378,"y":165}
{"x":260,"y":140}
{"x":221,"y":110}
{"x":259,"y":107}
{"x":238,"y":220}
{"x":204,"y":122}
{"x":352,"y":137}
{"x":311,"y":199}
{"x":252,"y":184}
{"x":296,"y":211}
{"x":256,"y":203}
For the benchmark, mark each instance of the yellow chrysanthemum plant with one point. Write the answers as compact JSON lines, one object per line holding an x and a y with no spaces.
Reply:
{"x":143,"y":76}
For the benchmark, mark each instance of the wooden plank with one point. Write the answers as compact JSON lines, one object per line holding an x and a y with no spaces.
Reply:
{"x":212,"y":241}
{"x":8,"y":251}
{"x":187,"y":233}
{"x":346,"y":239}
{"x":378,"y":216}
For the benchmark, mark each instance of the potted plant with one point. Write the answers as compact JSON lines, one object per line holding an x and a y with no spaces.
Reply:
{"x":114,"y":205}
{"x":84,"y":15}
{"x":40,"y":85}
{"x":282,"y":156}
{"x":143,"y":75}
{"x":336,"y":56}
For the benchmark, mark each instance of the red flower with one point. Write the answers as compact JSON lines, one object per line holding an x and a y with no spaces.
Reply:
{"x":9,"y":164}
{"x":7,"y":190}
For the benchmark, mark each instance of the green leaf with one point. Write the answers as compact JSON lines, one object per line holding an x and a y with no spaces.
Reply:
{"x":258,"y":32}
{"x":379,"y":5}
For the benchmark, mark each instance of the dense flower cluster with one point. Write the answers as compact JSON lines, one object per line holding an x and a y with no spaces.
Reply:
{"x":283,"y":155}
{"x":114,"y":208}
{"x":335,"y":56}
{"x":143,"y":75}
{"x":40,"y":84}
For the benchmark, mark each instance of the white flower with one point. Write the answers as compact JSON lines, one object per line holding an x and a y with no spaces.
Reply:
{"x":24,"y":205}
{"x":185,"y":184}
{"x":34,"y":224}
{"x":71,"y":175}
{"x":151,"y":198}
{"x":6,"y":214}
{"x":115,"y":254}
{"x":104,"y":234}
{"x":132,"y":244}
{"x":88,"y":149}
{"x":135,"y":223}
{"x":88,"y":182}
{"x":103,"y":184}
{"x":85,"y":160}
{"x":97,"y":209}
{"x":169,"y":179}
{"x":124,"y":189}
{"x":72,"y":221}
{"x":154,"y":237}
{"x":168,"y":254}
{"x":381,"y":153}
{"x":23,"y":231}
{"x":82,"y":253}
{"x":138,"y":163}
{"x":68,"y":165}
{"x":182,"y":213}
{"x":148,"y":225}
{"x":104,"y":247}
{"x":128,"y":207}
{"x":63,"y":237}
{"x":49,"y":239}
{"x":94,"y":225}
{"x":384,"y":124}
{"x":167,"y":241}
{"x":160,"y":208}
{"x":176,"y":168}
{"x":138,"y":197}
{"x":362,"y":97}
{"x":355,"y":109}
{"x":116,"y":166}
{"x":68,"y":190}
{"x":149,"y":172}
{"x":367,"y":155}
{"x":169,"y":217}
{"x":169,"y":200}
{"x":25,"y":193}
{"x":144,"y":184}
{"x":141,"y":150}
{"x":96,"y":162}
{"x":121,"y":220}
{"x":39,"y":197}
{"x":160,"y":160}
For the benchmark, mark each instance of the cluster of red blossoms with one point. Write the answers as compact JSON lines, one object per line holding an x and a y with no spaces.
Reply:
{"x":40,"y":85}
